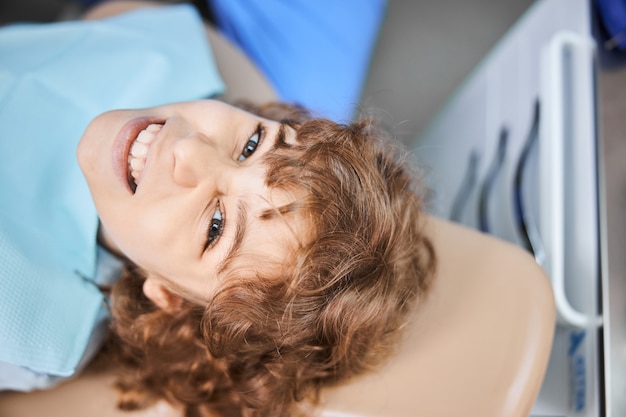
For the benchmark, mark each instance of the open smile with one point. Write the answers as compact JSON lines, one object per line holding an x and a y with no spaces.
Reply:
{"x":138,"y":153}
{"x":131,"y":149}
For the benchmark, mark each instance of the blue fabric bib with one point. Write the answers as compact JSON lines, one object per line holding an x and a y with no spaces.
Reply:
{"x":54,"y":79}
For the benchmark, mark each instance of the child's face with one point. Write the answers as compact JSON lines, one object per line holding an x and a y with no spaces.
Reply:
{"x":200,"y":188}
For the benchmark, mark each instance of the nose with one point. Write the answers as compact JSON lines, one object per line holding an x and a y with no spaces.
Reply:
{"x":194,"y":158}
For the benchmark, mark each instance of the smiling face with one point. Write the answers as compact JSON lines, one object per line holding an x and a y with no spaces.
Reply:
{"x":181,"y":188}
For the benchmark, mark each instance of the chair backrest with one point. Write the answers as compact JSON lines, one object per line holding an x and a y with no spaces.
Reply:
{"x":477,"y":347}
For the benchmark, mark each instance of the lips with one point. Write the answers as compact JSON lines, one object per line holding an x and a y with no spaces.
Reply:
{"x":130,"y":162}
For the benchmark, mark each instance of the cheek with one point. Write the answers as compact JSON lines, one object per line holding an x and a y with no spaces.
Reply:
{"x":145,"y":237}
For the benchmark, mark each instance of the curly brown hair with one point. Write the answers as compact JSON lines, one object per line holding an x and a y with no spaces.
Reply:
{"x":261,"y":346}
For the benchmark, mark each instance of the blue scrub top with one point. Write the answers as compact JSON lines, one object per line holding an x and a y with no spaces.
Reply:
{"x":314,"y":52}
{"x":54,"y":79}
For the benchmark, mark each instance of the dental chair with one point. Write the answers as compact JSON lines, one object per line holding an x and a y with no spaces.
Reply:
{"x":477,"y":347}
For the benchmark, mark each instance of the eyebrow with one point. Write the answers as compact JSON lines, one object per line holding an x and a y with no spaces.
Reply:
{"x":279,"y":142}
{"x":240,"y":232}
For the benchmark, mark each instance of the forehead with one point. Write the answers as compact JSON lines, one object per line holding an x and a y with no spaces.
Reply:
{"x":272,"y":230}
{"x":269,"y":241}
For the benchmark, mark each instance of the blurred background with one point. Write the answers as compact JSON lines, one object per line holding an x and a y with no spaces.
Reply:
{"x":424,"y":51}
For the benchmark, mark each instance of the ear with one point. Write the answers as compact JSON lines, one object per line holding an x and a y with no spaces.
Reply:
{"x":159,"y":295}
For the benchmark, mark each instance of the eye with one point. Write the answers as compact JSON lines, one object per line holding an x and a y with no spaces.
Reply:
{"x":252,"y":144}
{"x":216,"y":225}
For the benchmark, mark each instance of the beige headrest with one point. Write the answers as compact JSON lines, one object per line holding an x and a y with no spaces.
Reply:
{"x":478,"y":347}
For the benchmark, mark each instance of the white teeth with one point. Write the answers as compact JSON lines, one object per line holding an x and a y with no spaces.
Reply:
{"x":146,"y":136}
{"x":137,"y":164}
{"x":154,"y":128}
{"x":139,"y":150}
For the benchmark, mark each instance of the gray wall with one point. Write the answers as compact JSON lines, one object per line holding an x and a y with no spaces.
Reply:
{"x":425,"y":50}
